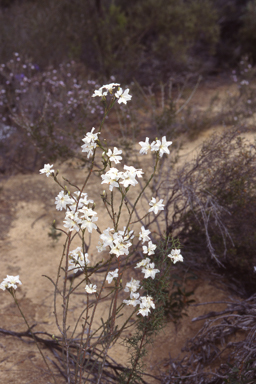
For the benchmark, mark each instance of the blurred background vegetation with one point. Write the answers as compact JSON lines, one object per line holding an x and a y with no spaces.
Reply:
{"x":145,"y":39}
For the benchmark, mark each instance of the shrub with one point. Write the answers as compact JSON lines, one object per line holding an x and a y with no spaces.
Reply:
{"x":210,"y":205}
{"x":214,"y":355}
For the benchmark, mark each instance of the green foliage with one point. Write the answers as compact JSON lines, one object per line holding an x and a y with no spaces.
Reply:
{"x":53,"y":234}
{"x":179,"y":299}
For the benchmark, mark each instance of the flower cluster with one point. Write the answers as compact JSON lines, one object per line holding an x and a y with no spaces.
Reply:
{"x":118,"y":242}
{"x":90,"y":142}
{"x":80,"y":215}
{"x":145,"y":302}
{"x":111,"y":275}
{"x":145,"y":305}
{"x":103,"y":91}
{"x":10,"y":282}
{"x":121,"y":96}
{"x":149,"y":270}
{"x":155,"y":146}
{"x":114,"y":178}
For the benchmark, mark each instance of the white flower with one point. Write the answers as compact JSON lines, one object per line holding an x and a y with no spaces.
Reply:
{"x":156,"y":206}
{"x":161,"y":147}
{"x":47,"y":170}
{"x":10,"y":282}
{"x":89,"y":148}
{"x":101,"y":247}
{"x":149,"y":271}
{"x":90,"y":137}
{"x":145,"y":146}
{"x":112,"y":275}
{"x":84,"y":199}
{"x":72,"y":221}
{"x":129,"y":234}
{"x":133,"y":172}
{"x":73,"y":206}
{"x":4,"y":285}
{"x":99,"y":93}
{"x":111,"y":178}
{"x":147,"y":302}
{"x":144,"y":234}
{"x":113,"y":156}
{"x":87,"y":212}
{"x":123,"y":97}
{"x":128,"y":180}
{"x":89,"y":224}
{"x":149,"y":249}
{"x":132,"y":286}
{"x":77,"y":260}
{"x":129,"y":176}
{"x":143,"y":263}
{"x":110,"y":87}
{"x":62,"y":200}
{"x":133,"y":299}
{"x":175,"y":256}
{"x":117,"y":250}
{"x":89,"y":142}
{"x":143,"y":311}
{"x":107,"y":237}
{"x":120,"y":245}
{"x":91,"y":288}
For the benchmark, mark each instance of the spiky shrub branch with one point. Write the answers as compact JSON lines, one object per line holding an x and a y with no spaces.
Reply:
{"x":216,"y":345}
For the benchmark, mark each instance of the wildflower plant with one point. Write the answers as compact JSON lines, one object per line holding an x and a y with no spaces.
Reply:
{"x":85,"y":346}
